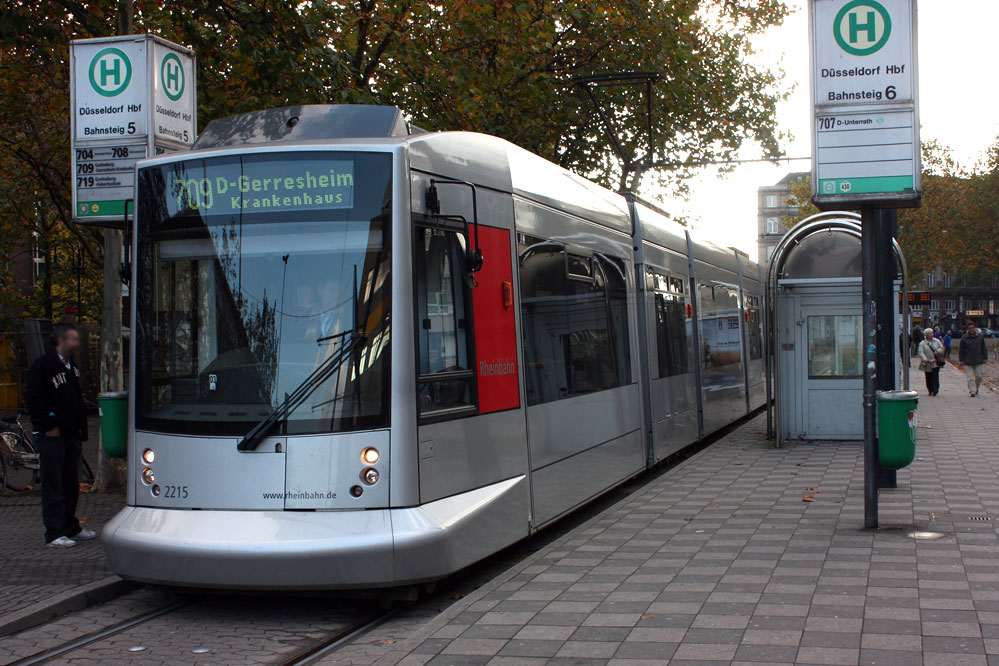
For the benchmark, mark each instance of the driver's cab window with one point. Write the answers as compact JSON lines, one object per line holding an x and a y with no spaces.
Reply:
{"x":443,"y":322}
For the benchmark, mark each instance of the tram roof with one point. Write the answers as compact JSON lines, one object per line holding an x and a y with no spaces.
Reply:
{"x":485,"y":160}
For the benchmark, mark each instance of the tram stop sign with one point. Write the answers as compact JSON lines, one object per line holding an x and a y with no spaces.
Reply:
{"x":865,"y":133}
{"x":131,"y":97}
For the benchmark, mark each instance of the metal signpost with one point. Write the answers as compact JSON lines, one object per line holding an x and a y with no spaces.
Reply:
{"x":866,"y":151}
{"x":130,"y":97}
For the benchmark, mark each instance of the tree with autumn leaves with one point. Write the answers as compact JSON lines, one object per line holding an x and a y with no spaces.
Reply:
{"x":504,"y":67}
{"x":957,"y":225}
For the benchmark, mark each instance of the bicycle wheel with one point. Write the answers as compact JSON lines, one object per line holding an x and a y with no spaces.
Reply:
{"x":21,"y":472}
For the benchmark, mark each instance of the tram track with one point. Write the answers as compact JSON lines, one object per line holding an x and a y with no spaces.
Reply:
{"x":331,"y":643}
{"x":315,"y":650}
{"x":83,"y":641}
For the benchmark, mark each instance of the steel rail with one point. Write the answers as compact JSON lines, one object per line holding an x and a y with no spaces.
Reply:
{"x":83,"y":641}
{"x":331,"y":643}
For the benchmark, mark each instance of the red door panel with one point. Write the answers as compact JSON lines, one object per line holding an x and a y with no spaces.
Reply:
{"x":495,"y":324}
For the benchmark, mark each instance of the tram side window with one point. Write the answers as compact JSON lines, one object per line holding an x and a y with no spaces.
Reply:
{"x":445,"y":381}
{"x":671,"y":335}
{"x":575,"y":321}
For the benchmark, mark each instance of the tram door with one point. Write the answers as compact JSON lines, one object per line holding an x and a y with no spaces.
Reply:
{"x":828,"y":352}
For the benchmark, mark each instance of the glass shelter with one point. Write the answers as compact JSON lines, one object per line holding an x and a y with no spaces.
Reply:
{"x":816,"y":330}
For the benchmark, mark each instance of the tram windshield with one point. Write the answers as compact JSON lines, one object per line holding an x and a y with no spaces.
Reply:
{"x":252,"y":270}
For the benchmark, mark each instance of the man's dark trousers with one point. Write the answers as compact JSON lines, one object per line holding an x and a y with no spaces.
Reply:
{"x":60,"y":463}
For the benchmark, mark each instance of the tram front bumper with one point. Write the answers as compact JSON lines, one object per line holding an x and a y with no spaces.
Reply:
{"x":298,"y":550}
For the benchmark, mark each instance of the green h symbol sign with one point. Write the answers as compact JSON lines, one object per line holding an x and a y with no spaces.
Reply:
{"x":870,"y":27}
{"x":110,"y":72}
{"x":172,"y":76}
{"x":110,"y":67}
{"x":862,"y":27}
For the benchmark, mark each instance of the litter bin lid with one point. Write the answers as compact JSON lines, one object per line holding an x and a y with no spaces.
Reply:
{"x":113,"y":395}
{"x":897,"y":395}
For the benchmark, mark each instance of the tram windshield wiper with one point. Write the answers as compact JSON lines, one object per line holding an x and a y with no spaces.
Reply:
{"x":349,"y":340}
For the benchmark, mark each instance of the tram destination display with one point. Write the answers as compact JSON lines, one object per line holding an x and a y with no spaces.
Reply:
{"x":865,"y":135}
{"x":230,"y":186}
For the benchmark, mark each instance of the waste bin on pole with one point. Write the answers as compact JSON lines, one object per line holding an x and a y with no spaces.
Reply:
{"x":897,"y":428}
{"x":113,"y":408}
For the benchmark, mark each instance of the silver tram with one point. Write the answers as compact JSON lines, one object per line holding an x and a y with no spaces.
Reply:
{"x":368,"y":356}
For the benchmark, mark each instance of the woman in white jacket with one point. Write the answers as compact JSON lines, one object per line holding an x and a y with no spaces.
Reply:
{"x":930,"y":354}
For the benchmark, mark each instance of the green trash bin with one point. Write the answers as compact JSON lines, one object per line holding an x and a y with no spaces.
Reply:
{"x":897,"y":428}
{"x":113,"y":407}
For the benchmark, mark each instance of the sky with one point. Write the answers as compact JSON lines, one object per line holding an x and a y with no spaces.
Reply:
{"x":959,"y":106}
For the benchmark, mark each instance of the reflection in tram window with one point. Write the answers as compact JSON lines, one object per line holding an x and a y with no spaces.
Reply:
{"x":445,"y":381}
{"x":835,"y":347}
{"x":755,"y":328}
{"x":575,"y":326}
{"x":721,"y":352}
{"x":671,"y":334}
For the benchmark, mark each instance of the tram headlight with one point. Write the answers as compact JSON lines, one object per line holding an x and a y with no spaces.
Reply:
{"x":147,"y":476}
{"x":369,"y":475}
{"x":370,"y":455}
{"x":148,"y":456}
{"x":156,"y":491}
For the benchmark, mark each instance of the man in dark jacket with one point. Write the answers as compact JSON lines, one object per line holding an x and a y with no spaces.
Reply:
{"x":55,"y":402}
{"x":972,"y":354}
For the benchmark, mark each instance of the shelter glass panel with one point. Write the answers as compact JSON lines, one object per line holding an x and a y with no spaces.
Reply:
{"x":835,"y":347}
{"x":824,"y":255}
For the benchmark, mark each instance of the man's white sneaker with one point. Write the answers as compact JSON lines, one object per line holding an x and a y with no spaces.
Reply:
{"x":61,"y":542}
{"x":85,"y":535}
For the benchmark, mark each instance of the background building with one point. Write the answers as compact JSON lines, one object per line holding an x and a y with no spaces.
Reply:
{"x":773,"y":209}
{"x":956,"y":300}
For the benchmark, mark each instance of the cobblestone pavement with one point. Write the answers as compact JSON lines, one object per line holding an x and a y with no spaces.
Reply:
{"x":32,"y":573}
{"x":723,"y":559}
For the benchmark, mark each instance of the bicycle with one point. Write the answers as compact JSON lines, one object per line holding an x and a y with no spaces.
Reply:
{"x":19,"y":461}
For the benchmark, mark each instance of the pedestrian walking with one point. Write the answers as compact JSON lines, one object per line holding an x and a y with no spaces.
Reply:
{"x":947,"y":340}
{"x":55,"y":403}
{"x":972,"y":355}
{"x":915,"y":337}
{"x":937,"y":333}
{"x":931,"y":358}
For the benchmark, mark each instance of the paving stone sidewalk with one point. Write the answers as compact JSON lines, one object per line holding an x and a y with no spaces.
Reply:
{"x":723,"y":560}
{"x":31,"y":573}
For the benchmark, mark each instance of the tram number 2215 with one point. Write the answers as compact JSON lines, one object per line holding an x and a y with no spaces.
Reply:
{"x":175,"y":492}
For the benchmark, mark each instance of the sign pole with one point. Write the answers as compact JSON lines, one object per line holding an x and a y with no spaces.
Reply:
{"x":866,"y":155}
{"x":869,"y":272}
{"x":112,"y":377}
{"x":131,"y":97}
